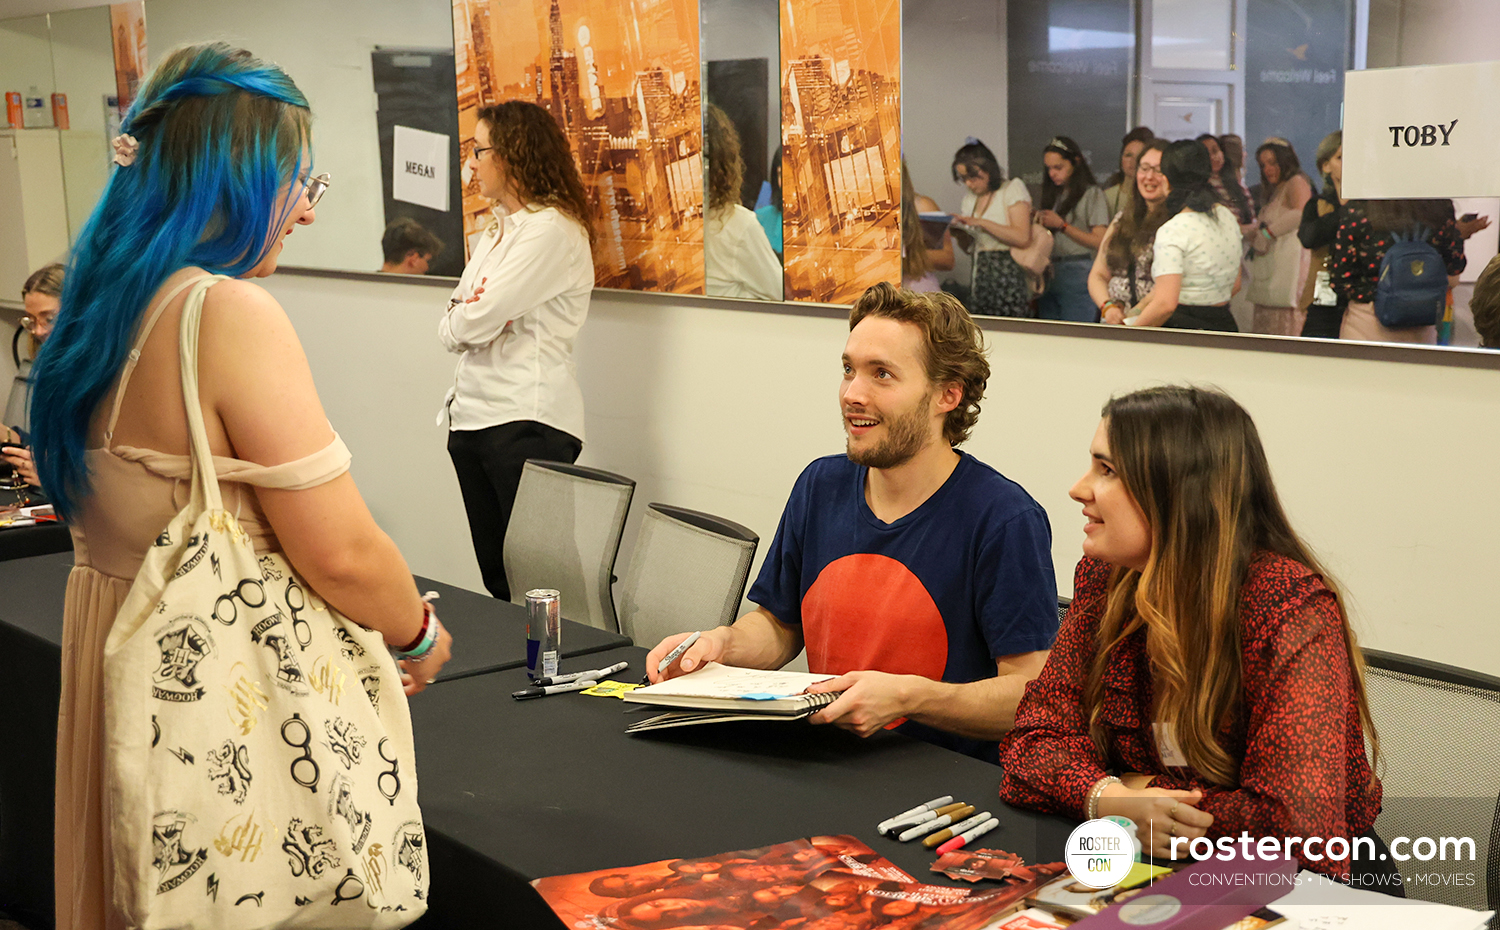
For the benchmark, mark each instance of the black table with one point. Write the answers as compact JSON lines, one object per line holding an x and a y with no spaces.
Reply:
{"x":20,"y":542}
{"x":554,"y":786}
{"x":488,"y":635}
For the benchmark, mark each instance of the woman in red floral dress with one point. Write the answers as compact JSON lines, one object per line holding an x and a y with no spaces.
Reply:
{"x":1206,"y":681}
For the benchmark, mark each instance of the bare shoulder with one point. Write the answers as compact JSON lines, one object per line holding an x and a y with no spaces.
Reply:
{"x":237,"y":303}
{"x":926,"y":204}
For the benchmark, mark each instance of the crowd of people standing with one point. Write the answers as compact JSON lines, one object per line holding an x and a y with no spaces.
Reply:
{"x":1175,"y":235}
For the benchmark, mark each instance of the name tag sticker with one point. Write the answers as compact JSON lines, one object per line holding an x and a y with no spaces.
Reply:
{"x":1166,"y":746}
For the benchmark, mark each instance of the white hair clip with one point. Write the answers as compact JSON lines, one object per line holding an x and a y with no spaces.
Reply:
{"x":125,"y":148}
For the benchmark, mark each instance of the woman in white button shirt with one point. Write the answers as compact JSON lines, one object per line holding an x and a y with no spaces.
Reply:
{"x":513,"y":320}
{"x":1195,"y":260}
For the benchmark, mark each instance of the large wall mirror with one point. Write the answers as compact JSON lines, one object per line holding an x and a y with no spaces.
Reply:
{"x":741,"y":148}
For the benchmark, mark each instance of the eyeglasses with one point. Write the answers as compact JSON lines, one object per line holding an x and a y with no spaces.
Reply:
{"x":481,"y":149}
{"x":1149,"y":171}
{"x":316,"y":188}
{"x":251,"y":592}
{"x":32,"y":323}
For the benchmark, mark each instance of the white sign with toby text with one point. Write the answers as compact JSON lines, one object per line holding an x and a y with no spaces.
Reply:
{"x":420,"y":168}
{"x":1431,"y":131}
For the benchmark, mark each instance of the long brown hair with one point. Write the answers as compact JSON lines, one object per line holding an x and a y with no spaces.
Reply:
{"x":914,"y":262}
{"x":537,"y":159}
{"x":1192,"y":460}
{"x":1139,"y":221}
{"x":726,"y":164}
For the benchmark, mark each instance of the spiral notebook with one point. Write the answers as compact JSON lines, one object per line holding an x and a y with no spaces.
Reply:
{"x":721,"y":693}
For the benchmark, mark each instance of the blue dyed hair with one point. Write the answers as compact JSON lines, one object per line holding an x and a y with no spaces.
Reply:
{"x":221,"y":134}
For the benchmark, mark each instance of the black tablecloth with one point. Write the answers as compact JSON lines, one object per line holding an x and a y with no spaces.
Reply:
{"x":19,"y":542}
{"x":554,"y":786}
{"x":487,"y":634}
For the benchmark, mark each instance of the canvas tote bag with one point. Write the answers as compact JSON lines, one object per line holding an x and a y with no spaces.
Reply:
{"x":258,"y":767}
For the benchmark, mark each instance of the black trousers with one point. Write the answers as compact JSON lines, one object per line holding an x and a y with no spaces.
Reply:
{"x":489,"y":463}
{"x":1324,"y":322}
{"x":1218,"y":319}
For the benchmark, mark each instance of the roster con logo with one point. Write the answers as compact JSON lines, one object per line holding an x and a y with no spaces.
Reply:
{"x":1099,"y":853}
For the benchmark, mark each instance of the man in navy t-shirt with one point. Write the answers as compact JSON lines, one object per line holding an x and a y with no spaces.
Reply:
{"x":916,"y":573}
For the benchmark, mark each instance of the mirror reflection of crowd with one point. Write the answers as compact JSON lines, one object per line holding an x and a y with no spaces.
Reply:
{"x":408,"y":247}
{"x":738,"y":260}
{"x":1309,"y":259}
{"x":41,"y":297}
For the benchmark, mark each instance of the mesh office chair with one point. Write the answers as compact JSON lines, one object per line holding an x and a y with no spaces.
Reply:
{"x":1440,"y":737}
{"x":1063,"y":603}
{"x":688,"y":572}
{"x":564,"y":533}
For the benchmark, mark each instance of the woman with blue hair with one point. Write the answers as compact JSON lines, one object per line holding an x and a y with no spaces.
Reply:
{"x":213,"y":174}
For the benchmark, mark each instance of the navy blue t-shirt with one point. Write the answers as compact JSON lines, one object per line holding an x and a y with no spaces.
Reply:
{"x":942,"y":592}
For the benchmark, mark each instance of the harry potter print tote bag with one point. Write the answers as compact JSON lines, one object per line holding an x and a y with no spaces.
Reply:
{"x":258,"y":763}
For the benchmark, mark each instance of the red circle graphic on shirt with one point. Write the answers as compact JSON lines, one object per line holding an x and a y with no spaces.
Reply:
{"x":870,"y":611}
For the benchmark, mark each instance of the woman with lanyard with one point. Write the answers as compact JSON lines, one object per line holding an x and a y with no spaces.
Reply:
{"x":1320,"y":222}
{"x":513,"y":320}
{"x":1073,"y":208}
{"x":1206,"y":680}
{"x":1121,"y":275}
{"x":995,"y":218}
{"x":1195,"y":259}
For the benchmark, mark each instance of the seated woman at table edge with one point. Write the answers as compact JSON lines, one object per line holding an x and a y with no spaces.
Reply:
{"x":957,"y":556}
{"x":1207,"y":658}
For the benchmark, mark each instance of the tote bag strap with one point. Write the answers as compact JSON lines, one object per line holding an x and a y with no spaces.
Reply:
{"x":135,"y":356}
{"x":206,"y":494}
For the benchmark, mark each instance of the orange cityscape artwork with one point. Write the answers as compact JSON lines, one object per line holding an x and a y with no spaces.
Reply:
{"x":841,"y":146}
{"x":621,"y":77}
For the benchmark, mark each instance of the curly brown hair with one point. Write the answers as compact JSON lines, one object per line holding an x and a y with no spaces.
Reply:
{"x":953,"y":343}
{"x":1485,"y":305}
{"x":537,"y":159}
{"x":726,"y":166}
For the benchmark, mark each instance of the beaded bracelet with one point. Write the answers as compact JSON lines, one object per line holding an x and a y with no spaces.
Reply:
{"x":1091,"y":808}
{"x":427,"y":639}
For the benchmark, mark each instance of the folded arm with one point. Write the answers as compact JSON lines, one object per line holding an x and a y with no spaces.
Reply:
{"x":530,"y":273}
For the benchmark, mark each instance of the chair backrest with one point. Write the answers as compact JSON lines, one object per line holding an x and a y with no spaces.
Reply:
{"x":1063,"y":603}
{"x":688,"y":572}
{"x":1439,"y":732}
{"x":564,"y":533}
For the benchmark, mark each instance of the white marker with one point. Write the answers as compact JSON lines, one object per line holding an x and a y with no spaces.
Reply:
{"x":937,"y":823}
{"x":528,"y":693}
{"x":919,"y":809}
{"x":676,"y":654}
{"x":963,"y":839}
{"x":596,"y":674}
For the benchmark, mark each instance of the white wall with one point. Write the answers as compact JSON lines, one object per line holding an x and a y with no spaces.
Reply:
{"x":326,"y":50}
{"x":1385,"y":457}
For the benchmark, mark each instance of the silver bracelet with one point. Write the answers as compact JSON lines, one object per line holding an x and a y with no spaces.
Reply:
{"x":1091,"y":808}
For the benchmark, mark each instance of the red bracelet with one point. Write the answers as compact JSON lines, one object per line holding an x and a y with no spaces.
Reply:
{"x":428,"y":615}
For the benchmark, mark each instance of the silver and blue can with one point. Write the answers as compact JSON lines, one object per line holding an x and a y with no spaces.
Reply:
{"x":543,"y":631}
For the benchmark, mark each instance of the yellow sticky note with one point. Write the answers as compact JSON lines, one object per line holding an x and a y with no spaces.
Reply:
{"x":614,"y":689}
{"x":1139,"y":874}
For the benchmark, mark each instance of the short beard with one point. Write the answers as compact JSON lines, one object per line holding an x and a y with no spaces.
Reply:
{"x":907,"y":435}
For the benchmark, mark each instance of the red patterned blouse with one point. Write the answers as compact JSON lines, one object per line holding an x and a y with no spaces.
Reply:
{"x":1303,"y":772}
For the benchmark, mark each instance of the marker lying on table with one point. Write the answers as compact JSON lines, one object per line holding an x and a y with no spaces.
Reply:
{"x":935,"y":803}
{"x":528,"y":693}
{"x":676,"y":654}
{"x":937,"y":823}
{"x":598,"y":674}
{"x":959,"y":842}
{"x":957,"y":829}
{"x":923,"y":817}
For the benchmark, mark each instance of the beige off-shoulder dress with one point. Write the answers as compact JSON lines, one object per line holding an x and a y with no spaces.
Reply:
{"x":133,"y":494}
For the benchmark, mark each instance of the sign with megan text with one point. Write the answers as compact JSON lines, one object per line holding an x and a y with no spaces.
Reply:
{"x":1430,"y":131}
{"x":419,"y":168}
